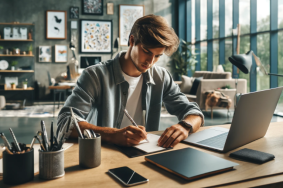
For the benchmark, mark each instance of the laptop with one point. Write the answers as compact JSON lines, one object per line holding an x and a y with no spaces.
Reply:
{"x":250,"y":122}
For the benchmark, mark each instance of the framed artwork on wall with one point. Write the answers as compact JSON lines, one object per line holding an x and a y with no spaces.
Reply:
{"x":94,"y":7}
{"x":128,"y":14}
{"x":44,"y":54}
{"x":74,"y":12}
{"x":56,"y":24}
{"x":110,"y":8}
{"x":96,"y":36}
{"x":87,"y":61}
{"x":61,"y":53}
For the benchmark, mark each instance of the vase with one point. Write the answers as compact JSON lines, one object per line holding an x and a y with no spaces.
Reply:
{"x":12,"y":67}
{"x":13,"y":86}
{"x":25,"y":86}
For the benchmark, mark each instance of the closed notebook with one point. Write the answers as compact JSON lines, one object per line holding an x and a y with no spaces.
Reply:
{"x":190,"y":163}
{"x":252,"y":156}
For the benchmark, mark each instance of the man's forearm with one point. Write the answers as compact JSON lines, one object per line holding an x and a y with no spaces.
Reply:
{"x":105,"y":132}
{"x":195,"y":121}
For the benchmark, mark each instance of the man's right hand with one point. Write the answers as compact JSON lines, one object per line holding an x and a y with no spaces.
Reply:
{"x":129,"y":136}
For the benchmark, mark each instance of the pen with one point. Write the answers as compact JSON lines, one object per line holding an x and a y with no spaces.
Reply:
{"x":32,"y":143}
{"x":7,"y":144}
{"x":51,"y":136}
{"x":76,"y":123}
{"x":131,"y":119}
{"x":39,"y":141}
{"x":15,"y":140}
{"x":44,"y":135}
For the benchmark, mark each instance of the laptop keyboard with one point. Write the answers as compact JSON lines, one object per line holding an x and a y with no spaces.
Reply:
{"x":216,"y":141}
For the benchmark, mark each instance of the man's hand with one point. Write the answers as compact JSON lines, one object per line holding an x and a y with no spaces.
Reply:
{"x":129,"y":136}
{"x":173,"y":135}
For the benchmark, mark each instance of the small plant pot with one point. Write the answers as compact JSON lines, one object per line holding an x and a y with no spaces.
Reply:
{"x":25,"y":86}
{"x":17,"y":51}
{"x":29,"y":52}
{"x":13,"y":86}
{"x":13,"y":67}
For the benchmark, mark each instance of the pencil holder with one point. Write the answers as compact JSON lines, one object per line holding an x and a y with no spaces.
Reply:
{"x":18,"y":168}
{"x":51,"y":164}
{"x":90,"y":152}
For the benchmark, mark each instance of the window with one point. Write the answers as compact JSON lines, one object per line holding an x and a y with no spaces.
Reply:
{"x":263,"y":15}
{"x":215,"y":54}
{"x":215,"y":19}
{"x":203,"y":19}
{"x":228,"y":17}
{"x":203,"y":56}
{"x":244,"y":16}
{"x":244,"y":48}
{"x":228,"y":52}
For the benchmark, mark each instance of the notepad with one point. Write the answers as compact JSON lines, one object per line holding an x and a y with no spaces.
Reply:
{"x":151,"y":146}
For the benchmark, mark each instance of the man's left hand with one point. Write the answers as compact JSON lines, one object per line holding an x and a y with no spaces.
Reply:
{"x":173,"y":135}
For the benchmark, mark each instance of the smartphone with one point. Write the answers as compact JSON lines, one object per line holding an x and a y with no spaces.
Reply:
{"x":127,"y":176}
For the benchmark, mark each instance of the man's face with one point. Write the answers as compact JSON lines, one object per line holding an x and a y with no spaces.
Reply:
{"x":144,"y":58}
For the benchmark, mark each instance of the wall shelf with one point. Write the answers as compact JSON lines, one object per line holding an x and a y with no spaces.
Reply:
{"x":16,"y":23}
{"x":8,"y":55}
{"x":18,"y":89}
{"x":24,"y":40}
{"x":16,"y":71}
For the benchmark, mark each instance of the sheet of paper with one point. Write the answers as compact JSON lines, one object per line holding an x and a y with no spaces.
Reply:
{"x":36,"y":157}
{"x":150,"y":146}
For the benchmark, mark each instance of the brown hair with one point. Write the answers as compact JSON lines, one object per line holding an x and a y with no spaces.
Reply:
{"x":153,"y":32}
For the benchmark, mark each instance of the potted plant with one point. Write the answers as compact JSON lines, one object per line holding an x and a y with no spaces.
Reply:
{"x":16,"y":51}
{"x":13,"y":85}
{"x":1,"y":49}
{"x":25,"y":84}
{"x":13,"y":65}
{"x":183,"y":60}
{"x":30,"y":50}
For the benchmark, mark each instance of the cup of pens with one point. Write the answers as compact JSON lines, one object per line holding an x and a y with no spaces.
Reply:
{"x":18,"y":162}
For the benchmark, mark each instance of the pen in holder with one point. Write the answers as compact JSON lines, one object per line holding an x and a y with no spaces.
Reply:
{"x":90,"y":151}
{"x":51,"y":164}
{"x":18,"y":168}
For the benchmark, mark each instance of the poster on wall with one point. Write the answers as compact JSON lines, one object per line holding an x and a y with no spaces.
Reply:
{"x":94,"y":7}
{"x":44,"y":54}
{"x":128,"y":14}
{"x":96,"y":36}
{"x":74,"y":12}
{"x":61,"y":53}
{"x":56,"y":24}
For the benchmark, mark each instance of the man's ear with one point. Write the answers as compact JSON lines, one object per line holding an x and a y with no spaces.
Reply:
{"x":131,"y":40}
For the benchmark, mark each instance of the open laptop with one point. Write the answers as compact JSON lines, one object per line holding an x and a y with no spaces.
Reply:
{"x":250,"y":122}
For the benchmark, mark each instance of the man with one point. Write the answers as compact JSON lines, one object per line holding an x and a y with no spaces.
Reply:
{"x":131,"y":81}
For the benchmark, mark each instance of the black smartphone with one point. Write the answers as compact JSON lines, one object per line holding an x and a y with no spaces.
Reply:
{"x":127,"y":176}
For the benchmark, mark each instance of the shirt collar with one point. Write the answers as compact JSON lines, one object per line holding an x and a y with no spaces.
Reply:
{"x":118,"y":75}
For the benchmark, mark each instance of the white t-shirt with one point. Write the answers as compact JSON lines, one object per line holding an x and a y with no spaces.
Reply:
{"x":134,"y":103}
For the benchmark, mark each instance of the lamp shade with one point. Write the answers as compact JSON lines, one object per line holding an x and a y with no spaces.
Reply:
{"x":242,"y":61}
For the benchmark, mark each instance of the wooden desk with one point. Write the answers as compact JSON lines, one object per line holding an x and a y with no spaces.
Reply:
{"x":244,"y":175}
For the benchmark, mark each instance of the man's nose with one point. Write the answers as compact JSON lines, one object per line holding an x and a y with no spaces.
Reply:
{"x":150,"y":59}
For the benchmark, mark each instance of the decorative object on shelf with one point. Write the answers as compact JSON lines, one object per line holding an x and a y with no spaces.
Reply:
{"x":74,"y":12}
{"x":15,"y":33}
{"x":7,"y":32}
{"x":61,"y":53}
{"x":16,"y":51}
{"x":30,"y":50}
{"x":25,"y":84}
{"x":23,"y":33}
{"x":13,"y":85}
{"x":74,"y":25}
{"x":110,"y":8}
{"x":87,"y":61}
{"x":184,"y":60}
{"x":13,"y":65}
{"x":11,"y":53}
{"x":7,"y":51}
{"x":30,"y":34}
{"x":94,"y":7}
{"x":44,"y":54}
{"x":56,"y":24}
{"x":1,"y":49}
{"x":128,"y":14}
{"x":9,"y":80}
{"x":24,"y":53}
{"x":4,"y":64}
{"x":96,"y":36}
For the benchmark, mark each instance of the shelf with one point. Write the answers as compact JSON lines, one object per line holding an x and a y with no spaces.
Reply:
{"x":8,"y":55}
{"x":22,"y":40}
{"x":16,"y":23}
{"x":18,"y":89}
{"x":16,"y":71}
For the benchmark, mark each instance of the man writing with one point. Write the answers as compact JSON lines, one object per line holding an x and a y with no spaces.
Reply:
{"x":131,"y":81}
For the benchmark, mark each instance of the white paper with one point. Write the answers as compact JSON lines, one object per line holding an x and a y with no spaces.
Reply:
{"x":150,"y":146}
{"x":36,"y":147}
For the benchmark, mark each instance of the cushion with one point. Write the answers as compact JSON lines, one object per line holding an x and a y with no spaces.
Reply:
{"x":187,"y":83}
{"x":195,"y":86}
{"x":216,"y":75}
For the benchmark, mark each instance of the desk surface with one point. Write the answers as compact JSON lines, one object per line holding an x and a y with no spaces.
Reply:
{"x":245,"y":175}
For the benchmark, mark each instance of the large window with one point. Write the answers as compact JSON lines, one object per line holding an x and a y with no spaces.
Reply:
{"x":228,"y":52}
{"x":203,"y":56}
{"x":244,"y":48}
{"x":244,"y":16}
{"x":215,"y":19}
{"x":228,"y":17}
{"x":263,"y":15}
{"x":215,"y":54}
{"x":203,"y":19}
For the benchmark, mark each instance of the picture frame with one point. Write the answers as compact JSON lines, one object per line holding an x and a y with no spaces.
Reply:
{"x":61,"y":53}
{"x":93,"y":7}
{"x":74,"y":13}
{"x":56,"y":24}
{"x":86,"y":61}
{"x":96,"y":36}
{"x":128,"y":14}
{"x":44,"y":54}
{"x":110,"y":8}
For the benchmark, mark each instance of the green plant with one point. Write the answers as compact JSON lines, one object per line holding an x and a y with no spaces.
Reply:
{"x":30,"y":48}
{"x":183,"y":60}
{"x":25,"y":82}
{"x":14,"y":63}
{"x":12,"y":83}
{"x":226,"y":87}
{"x":1,"y":48}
